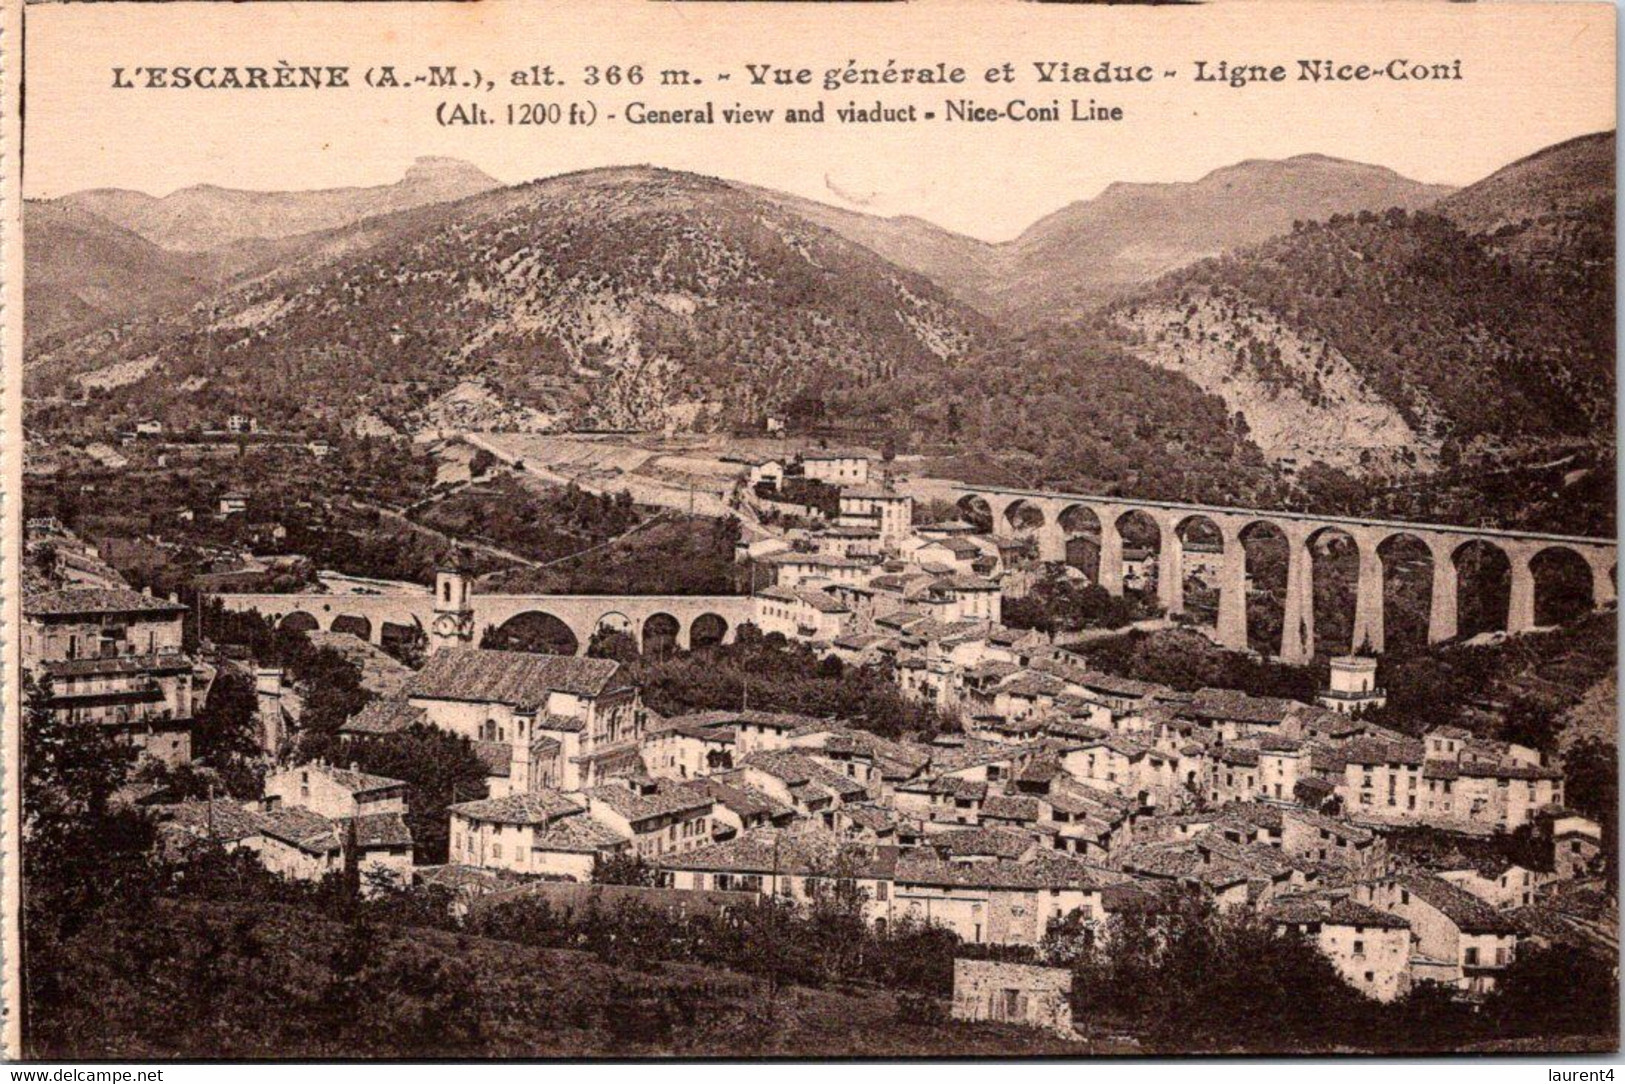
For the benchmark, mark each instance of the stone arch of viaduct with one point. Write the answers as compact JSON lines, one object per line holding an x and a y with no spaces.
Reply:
{"x":1300,"y":529}
{"x":581,"y":613}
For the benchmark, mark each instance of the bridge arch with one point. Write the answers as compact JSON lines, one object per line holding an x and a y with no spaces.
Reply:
{"x":1022,"y":516}
{"x":662,"y":634}
{"x":614,"y":621}
{"x":1199,"y":546}
{"x":1407,"y":564}
{"x":403,"y":640}
{"x":533,"y":630}
{"x":1335,"y":557}
{"x":1484,"y":572}
{"x":1266,"y":550}
{"x":707,"y":630}
{"x":1078,"y":529}
{"x":1140,"y":542}
{"x":356,"y":625}
{"x":299,"y":621}
{"x":975,"y":511}
{"x":1563,"y":587}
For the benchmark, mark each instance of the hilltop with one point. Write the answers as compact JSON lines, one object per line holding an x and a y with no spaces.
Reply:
{"x":208,"y":216}
{"x":1069,"y":263}
{"x":83,"y":270}
{"x":624,"y":297}
{"x":1370,"y":340}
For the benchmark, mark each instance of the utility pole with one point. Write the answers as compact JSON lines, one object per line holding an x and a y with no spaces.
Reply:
{"x":773,"y":932}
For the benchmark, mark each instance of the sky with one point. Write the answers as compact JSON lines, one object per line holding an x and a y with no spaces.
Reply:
{"x":1535,"y":74}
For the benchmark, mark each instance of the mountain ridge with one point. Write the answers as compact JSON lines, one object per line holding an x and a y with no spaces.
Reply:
{"x":207,"y":216}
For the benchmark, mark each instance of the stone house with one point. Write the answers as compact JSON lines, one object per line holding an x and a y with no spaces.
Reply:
{"x":112,"y":657}
{"x":1456,"y":937}
{"x":1024,"y":994}
{"x":1371,"y":949}
{"x":659,"y":816}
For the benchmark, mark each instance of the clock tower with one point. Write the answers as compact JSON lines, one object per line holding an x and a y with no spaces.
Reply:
{"x":453,"y":622}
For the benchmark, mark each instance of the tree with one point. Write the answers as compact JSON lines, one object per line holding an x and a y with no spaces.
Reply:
{"x":617,"y":644}
{"x":626,"y":868}
{"x":1555,"y":991}
{"x":1591,"y":785}
{"x":481,"y":463}
{"x":226,"y":732}
{"x":1190,"y":977}
{"x":439,"y":768}
{"x":81,"y":851}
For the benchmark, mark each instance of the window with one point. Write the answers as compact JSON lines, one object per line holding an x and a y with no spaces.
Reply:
{"x":882,"y":890}
{"x":1359,"y":948}
{"x":1370,"y":976}
{"x":1470,"y":956}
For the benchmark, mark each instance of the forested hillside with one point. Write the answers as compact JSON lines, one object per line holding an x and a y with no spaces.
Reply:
{"x":624,"y":298}
{"x":1065,"y":406}
{"x":1446,"y":339}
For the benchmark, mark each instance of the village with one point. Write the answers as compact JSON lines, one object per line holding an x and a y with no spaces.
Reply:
{"x":1060,"y":795}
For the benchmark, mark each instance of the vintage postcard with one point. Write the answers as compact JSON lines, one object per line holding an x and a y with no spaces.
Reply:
{"x":942,"y":529}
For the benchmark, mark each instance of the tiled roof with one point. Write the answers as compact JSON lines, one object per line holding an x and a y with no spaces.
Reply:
{"x":560,"y":724}
{"x":664,"y":799}
{"x":535,"y":807}
{"x":220,"y":819}
{"x":982,"y":842}
{"x":745,"y":800}
{"x":1507,"y":770}
{"x":1347,"y":830}
{"x":384,"y":716}
{"x":821,"y":601}
{"x":356,"y":782}
{"x":576,"y":835}
{"x":520,"y":678}
{"x":816,"y":560}
{"x":789,"y":852}
{"x":1032,"y":683}
{"x":970,"y":754}
{"x":876,"y":818}
{"x":859,"y":641}
{"x":964,"y":581}
{"x":895,"y":760}
{"x":458,"y":878}
{"x":1239,"y":756}
{"x":1012,"y":807}
{"x":300,"y":827}
{"x":1463,"y":908}
{"x":794,"y":769}
{"x":158,"y":663}
{"x":770,"y":720}
{"x":1381,"y":751}
{"x":381,"y":830}
{"x":1234,"y":706}
{"x":69,"y":601}
{"x":1331,"y":911}
{"x":1044,"y":870}
{"x":496,"y":756}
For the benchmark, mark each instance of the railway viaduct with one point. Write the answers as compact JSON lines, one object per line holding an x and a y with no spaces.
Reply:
{"x":451,"y":613}
{"x":1301,"y":530}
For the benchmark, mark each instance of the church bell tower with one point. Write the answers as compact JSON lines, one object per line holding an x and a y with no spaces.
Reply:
{"x":453,"y":624}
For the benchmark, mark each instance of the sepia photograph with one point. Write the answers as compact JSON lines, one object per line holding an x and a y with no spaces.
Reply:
{"x":749,"y":531}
